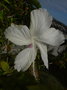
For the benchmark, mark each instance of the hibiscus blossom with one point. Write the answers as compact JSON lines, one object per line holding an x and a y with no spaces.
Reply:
{"x":40,"y":36}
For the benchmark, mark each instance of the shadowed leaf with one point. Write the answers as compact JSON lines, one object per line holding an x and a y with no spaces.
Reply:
{"x":5,"y":66}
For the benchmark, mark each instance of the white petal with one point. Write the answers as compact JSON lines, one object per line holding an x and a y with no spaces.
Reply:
{"x":52,"y":37}
{"x":66,"y":36}
{"x":57,"y":50}
{"x":18,"y":34}
{"x":25,"y":58}
{"x":43,"y":50}
{"x":40,"y":20}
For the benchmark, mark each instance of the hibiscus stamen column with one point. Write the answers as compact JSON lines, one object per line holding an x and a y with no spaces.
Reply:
{"x":34,"y":71}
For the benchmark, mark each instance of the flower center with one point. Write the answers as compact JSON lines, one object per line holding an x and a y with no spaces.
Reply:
{"x":30,"y":46}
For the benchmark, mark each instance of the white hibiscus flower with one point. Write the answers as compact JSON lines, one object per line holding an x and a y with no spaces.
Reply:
{"x":39,"y":36}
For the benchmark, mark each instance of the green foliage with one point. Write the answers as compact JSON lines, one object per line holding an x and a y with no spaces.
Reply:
{"x":1,"y":15}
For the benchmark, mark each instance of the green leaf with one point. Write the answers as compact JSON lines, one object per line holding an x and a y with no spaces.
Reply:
{"x":37,"y":87}
{"x":35,"y":3}
{"x":50,"y":81}
{"x":4,"y":66}
{"x":9,"y":71}
{"x":7,"y":1}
